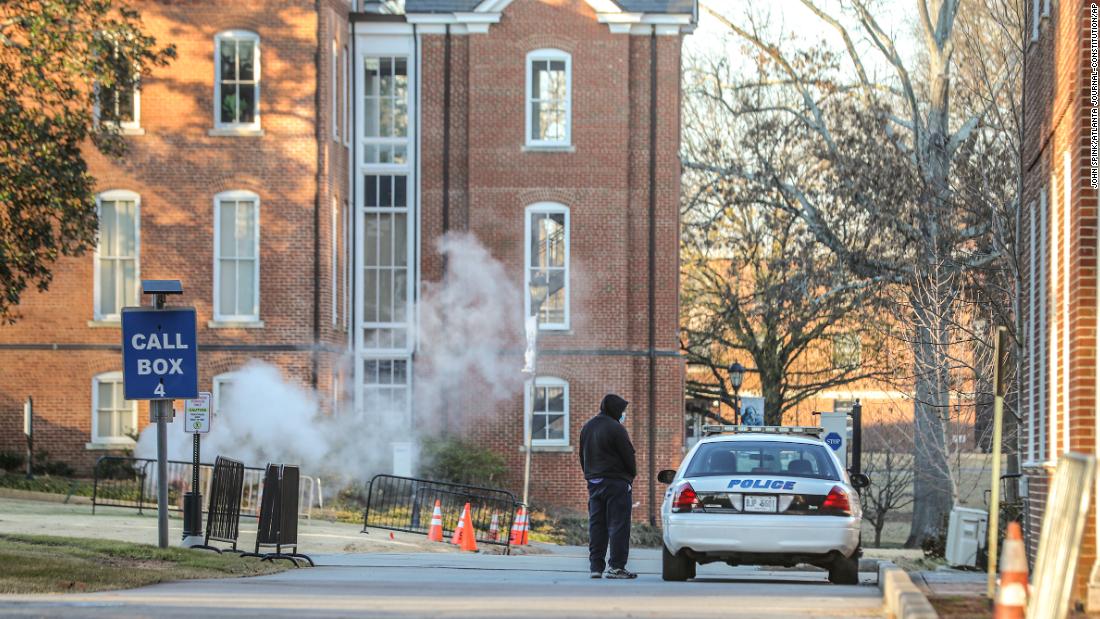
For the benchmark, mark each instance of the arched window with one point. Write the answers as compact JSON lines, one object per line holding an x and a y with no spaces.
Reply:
{"x":223,"y":392}
{"x":114,"y":419}
{"x":549,"y":98}
{"x":237,"y":80}
{"x":546,"y":259}
{"x":117,"y":254}
{"x":237,"y":256}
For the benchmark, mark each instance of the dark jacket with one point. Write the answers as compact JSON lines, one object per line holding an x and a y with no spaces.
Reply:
{"x":606,"y":450}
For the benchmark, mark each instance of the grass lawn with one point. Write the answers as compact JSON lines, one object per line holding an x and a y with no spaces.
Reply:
{"x":48,"y":564}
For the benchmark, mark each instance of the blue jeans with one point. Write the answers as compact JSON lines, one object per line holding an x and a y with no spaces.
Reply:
{"x":609,"y":504}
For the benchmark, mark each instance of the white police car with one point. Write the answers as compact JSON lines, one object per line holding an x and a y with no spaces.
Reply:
{"x":768,"y":495}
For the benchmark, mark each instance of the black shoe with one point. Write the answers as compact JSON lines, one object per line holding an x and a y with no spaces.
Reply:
{"x":596,"y":575}
{"x":618,"y":573}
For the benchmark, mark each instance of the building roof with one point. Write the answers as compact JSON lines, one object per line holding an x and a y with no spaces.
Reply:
{"x":633,"y":6}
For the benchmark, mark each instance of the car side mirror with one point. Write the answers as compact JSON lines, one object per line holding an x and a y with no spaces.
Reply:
{"x":666,"y":476}
{"x":860,"y":481}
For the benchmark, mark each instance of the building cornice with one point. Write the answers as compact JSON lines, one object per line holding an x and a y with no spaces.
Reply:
{"x":618,"y":21}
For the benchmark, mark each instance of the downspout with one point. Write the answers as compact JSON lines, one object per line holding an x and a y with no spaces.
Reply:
{"x":321,"y":162}
{"x":651,"y":250}
{"x":446,"y":136}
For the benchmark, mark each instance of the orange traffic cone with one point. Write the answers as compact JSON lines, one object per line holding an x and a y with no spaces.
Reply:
{"x":456,"y":537}
{"x":435,"y":532}
{"x":526,"y":528}
{"x":468,"y":539}
{"x":494,"y":528}
{"x":519,"y":528}
{"x":1011,"y":602}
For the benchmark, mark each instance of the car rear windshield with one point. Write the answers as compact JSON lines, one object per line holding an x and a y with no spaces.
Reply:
{"x":762,"y":458}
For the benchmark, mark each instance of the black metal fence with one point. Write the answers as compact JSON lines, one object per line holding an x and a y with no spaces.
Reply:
{"x":278,"y":524}
{"x":224,"y":507}
{"x":406,"y":504}
{"x":132,"y":482}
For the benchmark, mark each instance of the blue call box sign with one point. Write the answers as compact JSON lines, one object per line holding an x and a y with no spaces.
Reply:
{"x":832,"y":439}
{"x":159,"y":354}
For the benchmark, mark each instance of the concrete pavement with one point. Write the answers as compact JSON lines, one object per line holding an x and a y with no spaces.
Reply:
{"x":467,"y":585}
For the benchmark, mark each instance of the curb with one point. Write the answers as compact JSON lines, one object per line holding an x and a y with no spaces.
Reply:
{"x":901,"y":599}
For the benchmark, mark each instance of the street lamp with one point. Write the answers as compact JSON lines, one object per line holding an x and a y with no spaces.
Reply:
{"x":737,"y":376}
{"x":539,"y":291}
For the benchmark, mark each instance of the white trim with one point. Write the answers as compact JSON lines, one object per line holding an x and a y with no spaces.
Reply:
{"x":231,"y":324}
{"x":345,"y":94}
{"x":216,"y":388}
{"x":1055,"y":332}
{"x":1046,"y":9}
{"x":1067,"y":245}
{"x":554,"y":55}
{"x":1034,"y":20}
{"x":334,"y":257}
{"x":546,"y":381}
{"x":333,"y":91}
{"x":102,"y":442}
{"x":114,"y":195}
{"x":1033,"y":369}
{"x":236,"y":319}
{"x":1043,"y":326}
{"x":544,"y":208}
{"x":236,"y":35}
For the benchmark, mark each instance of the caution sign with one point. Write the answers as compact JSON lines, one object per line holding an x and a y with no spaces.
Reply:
{"x":196,"y":414}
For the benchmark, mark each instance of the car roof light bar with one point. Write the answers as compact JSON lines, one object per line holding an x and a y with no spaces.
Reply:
{"x":813,"y":431}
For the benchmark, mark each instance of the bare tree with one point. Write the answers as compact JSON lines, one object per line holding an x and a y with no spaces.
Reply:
{"x":890,"y":153}
{"x":889,"y":464}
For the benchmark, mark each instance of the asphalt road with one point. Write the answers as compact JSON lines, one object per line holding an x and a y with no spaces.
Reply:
{"x":468,"y":585}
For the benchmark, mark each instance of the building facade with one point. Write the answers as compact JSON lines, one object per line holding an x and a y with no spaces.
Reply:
{"x":295,"y":168}
{"x":1058,"y":234}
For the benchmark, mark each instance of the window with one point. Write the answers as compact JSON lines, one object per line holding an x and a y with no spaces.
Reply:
{"x":120,"y":103}
{"x":1035,"y":20}
{"x":762,"y":457}
{"x":550,"y":413}
{"x":847,"y":351}
{"x":1034,"y":367}
{"x":345,"y":96}
{"x":223,"y":392}
{"x":117,"y":253}
{"x":346,"y":292}
{"x":547,"y":259}
{"x":236,"y":256}
{"x":1042,"y":325}
{"x":334,"y":259}
{"x":114,"y":419}
{"x":335,"y":86}
{"x":549,"y":102}
{"x":386,"y":390}
{"x":237,"y":80}
{"x":386,"y":272}
{"x":385,"y":110}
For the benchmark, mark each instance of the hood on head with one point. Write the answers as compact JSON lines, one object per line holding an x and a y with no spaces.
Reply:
{"x":613,"y":406}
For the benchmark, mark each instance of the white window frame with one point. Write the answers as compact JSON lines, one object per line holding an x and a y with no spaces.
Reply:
{"x":1034,"y":365}
{"x":545,"y":208}
{"x":236,"y":35}
{"x":235,"y":196}
{"x":335,"y":89}
{"x":216,"y":389}
{"x":554,"y":55}
{"x":334,"y":258}
{"x":1035,"y":20}
{"x":97,"y":440}
{"x":126,"y":126}
{"x":1045,"y":377}
{"x":345,"y":93}
{"x":544,"y":382}
{"x":112,"y":196}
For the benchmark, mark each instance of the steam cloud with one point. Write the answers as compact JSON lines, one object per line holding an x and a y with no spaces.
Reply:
{"x":467,"y":324}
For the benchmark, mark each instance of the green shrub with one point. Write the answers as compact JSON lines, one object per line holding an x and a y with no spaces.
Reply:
{"x":11,"y":460}
{"x":454,"y":460}
{"x":44,"y":466}
{"x":572,"y":530}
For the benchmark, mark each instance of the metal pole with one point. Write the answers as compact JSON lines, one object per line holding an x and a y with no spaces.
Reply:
{"x":857,"y":438}
{"x":28,"y":423}
{"x":162,"y":407}
{"x":529,"y":409}
{"x":1000,"y":348}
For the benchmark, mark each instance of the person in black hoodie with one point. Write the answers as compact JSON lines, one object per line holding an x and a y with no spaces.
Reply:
{"x":607,"y":457}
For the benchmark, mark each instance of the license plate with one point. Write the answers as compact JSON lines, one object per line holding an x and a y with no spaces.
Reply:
{"x":760,"y":503}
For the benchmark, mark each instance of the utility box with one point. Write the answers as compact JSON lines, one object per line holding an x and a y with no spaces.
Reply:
{"x":966,"y":534}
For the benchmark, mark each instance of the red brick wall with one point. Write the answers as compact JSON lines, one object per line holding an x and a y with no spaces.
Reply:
{"x":604,"y":182}
{"x":1056,"y":122}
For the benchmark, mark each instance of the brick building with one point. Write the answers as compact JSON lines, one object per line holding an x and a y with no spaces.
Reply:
{"x":294,"y":167}
{"x":1058,"y":236}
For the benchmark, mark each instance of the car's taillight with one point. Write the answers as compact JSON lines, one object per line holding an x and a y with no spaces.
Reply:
{"x":684,"y":499}
{"x":837,"y":503}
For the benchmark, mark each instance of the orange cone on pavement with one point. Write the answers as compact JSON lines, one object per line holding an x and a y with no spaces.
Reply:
{"x":494,"y":528}
{"x":468,"y":539}
{"x":435,"y":532}
{"x":456,"y":537}
{"x":1011,"y":602}
{"x":519,"y":528}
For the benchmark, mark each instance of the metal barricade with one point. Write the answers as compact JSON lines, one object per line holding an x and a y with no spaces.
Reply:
{"x":224,"y":509}
{"x":406,"y":504}
{"x":278,"y":525}
{"x":1060,"y":541}
{"x":120,"y":481}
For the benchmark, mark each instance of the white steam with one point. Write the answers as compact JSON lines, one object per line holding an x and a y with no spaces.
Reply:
{"x":467,"y":323}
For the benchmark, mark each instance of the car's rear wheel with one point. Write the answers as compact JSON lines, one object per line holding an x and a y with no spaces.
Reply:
{"x":676,"y":568}
{"x":845,"y":570}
